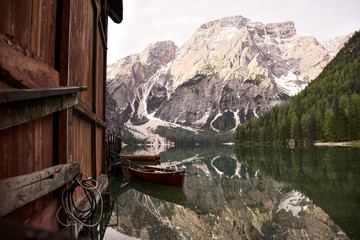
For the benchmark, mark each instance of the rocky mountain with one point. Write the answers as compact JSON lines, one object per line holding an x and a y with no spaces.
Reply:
{"x":333,"y":45}
{"x":229,"y":71}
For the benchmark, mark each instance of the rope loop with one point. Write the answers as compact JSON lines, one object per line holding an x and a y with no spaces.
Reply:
{"x":83,"y":216}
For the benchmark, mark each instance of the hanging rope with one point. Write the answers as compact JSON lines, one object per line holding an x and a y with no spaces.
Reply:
{"x":82,"y":216}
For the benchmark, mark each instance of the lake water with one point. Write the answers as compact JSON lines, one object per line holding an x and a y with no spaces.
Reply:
{"x":243,"y":193}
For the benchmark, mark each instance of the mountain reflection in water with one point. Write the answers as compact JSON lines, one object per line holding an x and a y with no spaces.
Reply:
{"x":249,"y":193}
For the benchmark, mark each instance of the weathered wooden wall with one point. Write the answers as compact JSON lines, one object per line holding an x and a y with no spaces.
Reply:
{"x":81,"y":145}
{"x":28,"y":147}
{"x":87,"y":66}
{"x":81,"y":62}
{"x":100,"y":103}
{"x":23,"y":149}
{"x":70,"y":37}
{"x":100,"y":151}
{"x":32,"y":24}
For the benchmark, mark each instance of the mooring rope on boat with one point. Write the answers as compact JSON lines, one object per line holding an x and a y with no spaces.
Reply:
{"x":82,"y":216}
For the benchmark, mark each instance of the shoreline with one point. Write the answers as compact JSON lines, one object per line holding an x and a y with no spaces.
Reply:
{"x":339,"y":144}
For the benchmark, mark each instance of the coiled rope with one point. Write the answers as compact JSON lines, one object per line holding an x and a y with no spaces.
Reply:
{"x":82,"y":216}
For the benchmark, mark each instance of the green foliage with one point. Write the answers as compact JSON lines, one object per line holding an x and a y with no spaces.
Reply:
{"x":258,"y":79}
{"x":328,"y":109}
{"x":226,"y":122}
{"x":132,"y":141}
{"x":328,"y":176}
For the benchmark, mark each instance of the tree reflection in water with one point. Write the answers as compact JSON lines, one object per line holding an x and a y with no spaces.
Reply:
{"x":249,"y":193}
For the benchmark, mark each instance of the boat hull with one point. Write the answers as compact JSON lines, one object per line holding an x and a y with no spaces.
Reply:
{"x":141,"y":157}
{"x":160,"y":176}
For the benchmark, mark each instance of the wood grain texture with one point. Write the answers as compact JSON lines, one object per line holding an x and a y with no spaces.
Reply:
{"x":15,"y":113}
{"x":21,"y":68}
{"x":23,"y":189}
{"x":81,"y":64}
{"x":32,"y":24}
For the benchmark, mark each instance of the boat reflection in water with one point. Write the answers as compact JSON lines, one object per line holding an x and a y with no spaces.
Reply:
{"x":161,"y":192}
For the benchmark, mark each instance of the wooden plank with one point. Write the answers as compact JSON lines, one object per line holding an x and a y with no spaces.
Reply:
{"x":81,"y":137}
{"x":63,"y":136}
{"x":100,"y":91}
{"x":27,"y":147}
{"x":12,"y":95}
{"x":99,"y":150}
{"x":21,"y":68}
{"x":95,"y":62}
{"x":32,"y":24}
{"x":25,"y":214}
{"x":5,"y":15}
{"x":21,"y":22}
{"x":83,"y":112}
{"x":80,"y":49}
{"x":23,"y":189}
{"x":4,"y":151}
{"x":18,"y":112}
{"x":46,"y":217}
{"x":22,"y":105}
{"x":102,"y":32}
{"x":65,"y":42}
{"x":46,"y":43}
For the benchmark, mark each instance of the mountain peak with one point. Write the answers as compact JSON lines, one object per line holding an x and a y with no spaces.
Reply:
{"x":160,"y":52}
{"x":281,"y":30}
{"x":234,"y":21}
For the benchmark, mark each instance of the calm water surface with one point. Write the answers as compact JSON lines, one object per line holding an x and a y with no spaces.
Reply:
{"x":243,"y":193}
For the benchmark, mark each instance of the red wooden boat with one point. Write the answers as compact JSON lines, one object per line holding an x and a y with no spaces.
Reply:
{"x":170,"y":177}
{"x":141,"y":157}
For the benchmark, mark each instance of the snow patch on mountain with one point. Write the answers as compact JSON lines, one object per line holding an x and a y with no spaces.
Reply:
{"x":211,"y":123}
{"x":201,"y":121}
{"x":333,"y":45}
{"x":290,"y":84}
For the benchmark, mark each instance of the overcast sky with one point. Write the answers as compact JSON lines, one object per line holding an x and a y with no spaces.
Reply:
{"x":149,"y":21}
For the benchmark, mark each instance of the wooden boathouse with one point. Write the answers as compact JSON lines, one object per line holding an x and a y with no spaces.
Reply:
{"x":52,"y":101}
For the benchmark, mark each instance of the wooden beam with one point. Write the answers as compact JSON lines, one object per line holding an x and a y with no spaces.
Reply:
{"x":22,"y":105}
{"x":20,"y":190}
{"x":21,"y":68}
{"x":81,"y":111}
{"x":102,"y":32}
{"x":12,"y":95}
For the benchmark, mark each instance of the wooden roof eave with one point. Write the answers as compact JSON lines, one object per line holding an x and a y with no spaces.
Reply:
{"x":115,"y":9}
